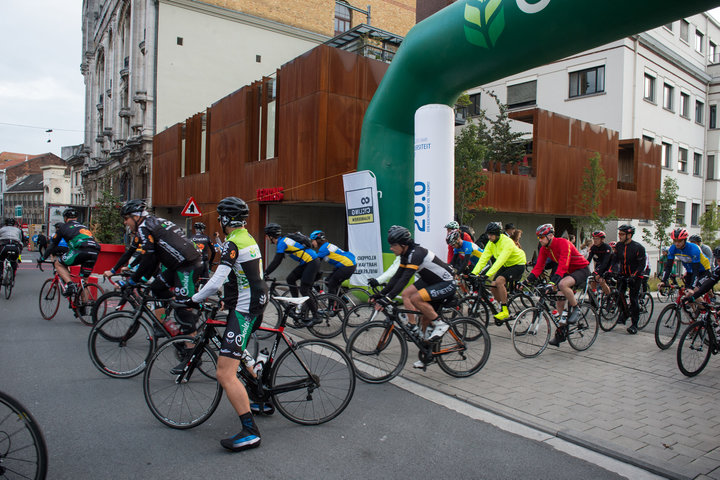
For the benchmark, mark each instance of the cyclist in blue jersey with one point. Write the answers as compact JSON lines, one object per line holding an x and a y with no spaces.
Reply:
{"x":466,"y":254}
{"x":697,"y":265}
{"x":344,"y":262}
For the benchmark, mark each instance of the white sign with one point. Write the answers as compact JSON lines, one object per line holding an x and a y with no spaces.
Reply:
{"x":363,"y":220}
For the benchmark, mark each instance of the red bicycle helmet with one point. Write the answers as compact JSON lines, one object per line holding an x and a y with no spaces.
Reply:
{"x":598,"y":234}
{"x":679,"y":234}
{"x":544,"y":229}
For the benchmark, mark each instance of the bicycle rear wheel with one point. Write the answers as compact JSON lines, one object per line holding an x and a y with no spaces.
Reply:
{"x":694,"y":349}
{"x":667,"y":326}
{"x":120,"y":346}
{"x":358,"y":316}
{"x":377,"y":351}
{"x":354,"y":296}
{"x":583,"y":334}
{"x":646,"y":310}
{"x":531,"y":332}
{"x":464,"y":349}
{"x":480,"y":312}
{"x":49,"y":299}
{"x":320,"y":396}
{"x":23,"y":453}
{"x":331,"y":310}
{"x":8,"y":280}
{"x":85,"y":300}
{"x":271,"y":317}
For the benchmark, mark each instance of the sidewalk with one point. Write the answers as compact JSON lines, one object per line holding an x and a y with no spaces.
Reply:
{"x":622,"y":397}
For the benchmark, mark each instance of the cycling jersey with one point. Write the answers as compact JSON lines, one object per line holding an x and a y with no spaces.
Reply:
{"x":468,"y":253}
{"x":629,"y":259}
{"x":204,"y":246}
{"x":451,"y":250}
{"x":12,"y":234}
{"x":77,"y":236}
{"x":506,"y":253}
{"x":707,"y":283}
{"x":335,"y":256}
{"x":163,"y":242}
{"x":601,"y":255}
{"x":421,"y":262}
{"x":563,"y":252}
{"x":295,"y":250}
{"x":691,"y":256}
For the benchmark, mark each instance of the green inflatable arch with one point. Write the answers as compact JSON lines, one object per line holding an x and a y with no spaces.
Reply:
{"x":473,"y":42}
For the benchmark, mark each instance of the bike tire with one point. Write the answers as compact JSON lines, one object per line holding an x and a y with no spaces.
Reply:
{"x":481,"y":312}
{"x":85,"y":300}
{"x":609,"y":311}
{"x":667,"y":326}
{"x":271,"y":317}
{"x":464,"y":349}
{"x":120,"y":346}
{"x":331,"y":383}
{"x":646,"y":310}
{"x":187,"y":403}
{"x":378,"y":352}
{"x":694,"y":349}
{"x":49,"y":300}
{"x":663,"y":294}
{"x":9,"y":281}
{"x":531,"y":332}
{"x":583,"y":334}
{"x":354,"y":296}
{"x":331,"y":310}
{"x":516,"y":304}
{"x":23,"y":451}
{"x":109,"y":302}
{"x":358,"y":316}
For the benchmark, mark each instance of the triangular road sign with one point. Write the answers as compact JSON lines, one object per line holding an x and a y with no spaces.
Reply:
{"x":191,"y":209}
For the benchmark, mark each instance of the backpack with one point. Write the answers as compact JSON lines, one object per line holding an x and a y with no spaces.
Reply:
{"x":300,"y":238}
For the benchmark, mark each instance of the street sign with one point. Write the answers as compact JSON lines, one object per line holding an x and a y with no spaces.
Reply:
{"x":191,"y":209}
{"x":18,"y":211}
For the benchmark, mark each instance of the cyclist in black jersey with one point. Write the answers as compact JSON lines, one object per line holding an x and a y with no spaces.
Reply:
{"x":600,"y":255}
{"x":11,"y":244}
{"x":205,"y":246}
{"x":629,"y":265}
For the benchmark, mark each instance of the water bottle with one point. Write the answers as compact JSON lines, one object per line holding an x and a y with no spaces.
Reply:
{"x":563,"y":317}
{"x":555,"y":314}
{"x":247,"y":359}
{"x":403,"y":318}
{"x":170,"y":325}
{"x":260,"y":361}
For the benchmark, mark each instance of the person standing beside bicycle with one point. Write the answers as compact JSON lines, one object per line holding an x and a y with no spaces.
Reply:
{"x":205,"y":247}
{"x":572,"y":270}
{"x":600,"y":255}
{"x":83,"y":250}
{"x":697,"y":265}
{"x":11,"y":244}
{"x":344,"y":262}
{"x":246,"y":295}
{"x":629,"y":266}
{"x":509,"y":265}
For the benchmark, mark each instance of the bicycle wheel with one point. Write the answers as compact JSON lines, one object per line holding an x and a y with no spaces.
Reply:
{"x":331,"y":310}
{"x":354,"y":296}
{"x":464,"y":349}
{"x":377,"y":351}
{"x":85,"y":300}
{"x":9,"y":280}
{"x":185,"y":400}
{"x":583,"y":334}
{"x":663,"y":295}
{"x":358,"y":316}
{"x":271,"y":317}
{"x":646,"y":309}
{"x":49,"y":299}
{"x":318,"y":396}
{"x":109,"y":302}
{"x":694,"y":349}
{"x":23,"y":453}
{"x":609,"y":311}
{"x":480,"y":311}
{"x":531,"y":332}
{"x":667,"y":326}
{"x":120,"y":346}
{"x":516,"y":304}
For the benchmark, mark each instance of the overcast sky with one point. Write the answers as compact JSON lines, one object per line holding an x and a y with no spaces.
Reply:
{"x":41,"y":86}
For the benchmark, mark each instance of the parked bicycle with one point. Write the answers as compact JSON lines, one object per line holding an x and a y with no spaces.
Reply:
{"x":699,"y":340}
{"x":310,"y":382}
{"x":23,"y":453}
{"x":80,"y":302}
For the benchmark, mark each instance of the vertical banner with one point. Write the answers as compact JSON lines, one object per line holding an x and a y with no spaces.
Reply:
{"x":434,"y":185}
{"x":363,"y":221}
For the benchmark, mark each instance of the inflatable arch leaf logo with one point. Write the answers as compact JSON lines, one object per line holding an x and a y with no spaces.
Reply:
{"x":484,"y":22}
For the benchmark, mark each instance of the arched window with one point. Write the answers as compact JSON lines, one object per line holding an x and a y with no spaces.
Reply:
{"x":343,"y":18}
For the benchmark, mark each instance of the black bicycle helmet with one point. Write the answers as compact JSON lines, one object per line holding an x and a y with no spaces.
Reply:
{"x":629,"y":229}
{"x":70,"y":212}
{"x":232,"y":212}
{"x":716,"y":253}
{"x":398,"y":235}
{"x":452,"y":237}
{"x":493,"y":228}
{"x":133,"y":207}
{"x":695,"y":238}
{"x":544,"y":229}
{"x":10,"y":222}
{"x":199,"y":226}
{"x":273,"y":230}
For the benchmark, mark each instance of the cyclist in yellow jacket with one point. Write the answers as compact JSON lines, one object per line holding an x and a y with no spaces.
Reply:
{"x":509,"y":264}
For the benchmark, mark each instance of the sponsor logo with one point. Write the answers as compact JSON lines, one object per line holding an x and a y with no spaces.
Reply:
{"x":230,"y":335}
{"x":360,"y":208}
{"x":233,"y":254}
{"x":485,"y":19}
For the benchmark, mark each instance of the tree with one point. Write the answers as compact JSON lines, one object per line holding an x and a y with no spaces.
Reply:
{"x":106,"y":219}
{"x":470,"y":154}
{"x":504,"y":145}
{"x":710,"y":224}
{"x":665,"y":214}
{"x":592,"y":192}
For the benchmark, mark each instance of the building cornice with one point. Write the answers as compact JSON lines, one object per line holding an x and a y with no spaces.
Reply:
{"x":673,"y":57}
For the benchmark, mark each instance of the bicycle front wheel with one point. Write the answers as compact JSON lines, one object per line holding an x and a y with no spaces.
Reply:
{"x":120,"y":346}
{"x":609,"y":311}
{"x":358,"y":316}
{"x":531,"y":332}
{"x":315,"y":395}
{"x":23,"y":453}
{"x":331,"y":311}
{"x":664,"y":294}
{"x":464,"y":349}
{"x":109,"y":302}
{"x":694,"y":349}
{"x":49,"y":299}
{"x":85,"y":300}
{"x":667,"y":326}
{"x":516,"y":304}
{"x":185,"y":400}
{"x":377,"y":351}
{"x":354,"y":296}
{"x":583,"y":334}
{"x":9,"y":280}
{"x":646,"y":309}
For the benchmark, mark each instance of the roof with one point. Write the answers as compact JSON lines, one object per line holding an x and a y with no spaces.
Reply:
{"x":31,"y":183}
{"x":10,"y":159}
{"x":353,"y":39}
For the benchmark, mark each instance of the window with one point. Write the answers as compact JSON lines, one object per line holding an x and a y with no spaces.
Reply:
{"x":343,"y":18}
{"x":694,"y":214}
{"x":699,"y":41}
{"x":713,"y":116}
{"x":682,"y":159}
{"x":699,"y":111}
{"x":711,"y":167}
{"x":666,"y":155}
{"x":684,"y":30}
{"x":649,"y":89}
{"x":668,"y":96}
{"x":712,"y":52}
{"x":587,"y":82}
{"x":684,"y":105}
{"x":680,"y":213}
{"x":522,"y":94}
{"x":669,"y":26}
{"x":697,"y":164}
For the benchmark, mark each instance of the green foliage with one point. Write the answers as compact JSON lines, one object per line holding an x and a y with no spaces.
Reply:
{"x":107,"y":222}
{"x":470,"y":154}
{"x":592,"y":192}
{"x":710,"y":224}
{"x":504,"y":145}
{"x":665,"y":214}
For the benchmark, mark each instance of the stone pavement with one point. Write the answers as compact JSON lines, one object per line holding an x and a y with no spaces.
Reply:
{"x":623,"y":397}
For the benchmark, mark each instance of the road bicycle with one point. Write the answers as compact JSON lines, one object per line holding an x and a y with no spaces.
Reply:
{"x":360,"y":315}
{"x":669,"y":292}
{"x":351,"y":295}
{"x":379,"y":349}
{"x":23,"y":453}
{"x":613,"y":305}
{"x":667,"y":327}
{"x":309,"y":382}
{"x":699,"y":340}
{"x":80,"y":302}
{"x":482,"y":306}
{"x":531,"y":330}
{"x":8,"y":277}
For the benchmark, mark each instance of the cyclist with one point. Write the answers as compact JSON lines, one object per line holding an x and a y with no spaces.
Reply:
{"x":434,"y":282}
{"x":600,"y":255}
{"x":629,"y":265}
{"x":245,"y":297}
{"x":306,"y":272}
{"x":11,"y":244}
{"x":572,"y":269}
{"x":697,"y":266}
{"x":452,"y":226}
{"x":708,"y":282}
{"x":697,"y":240}
{"x":83,"y":250}
{"x":467,"y":254}
{"x":509,"y":264}
{"x":343,"y":261}
{"x":205,"y":247}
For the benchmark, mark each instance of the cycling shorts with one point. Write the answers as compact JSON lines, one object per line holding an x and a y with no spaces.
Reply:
{"x":513,"y":273}
{"x":85,"y":257}
{"x":581,"y":275}
{"x":237,"y":333}
{"x":436,"y":291}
